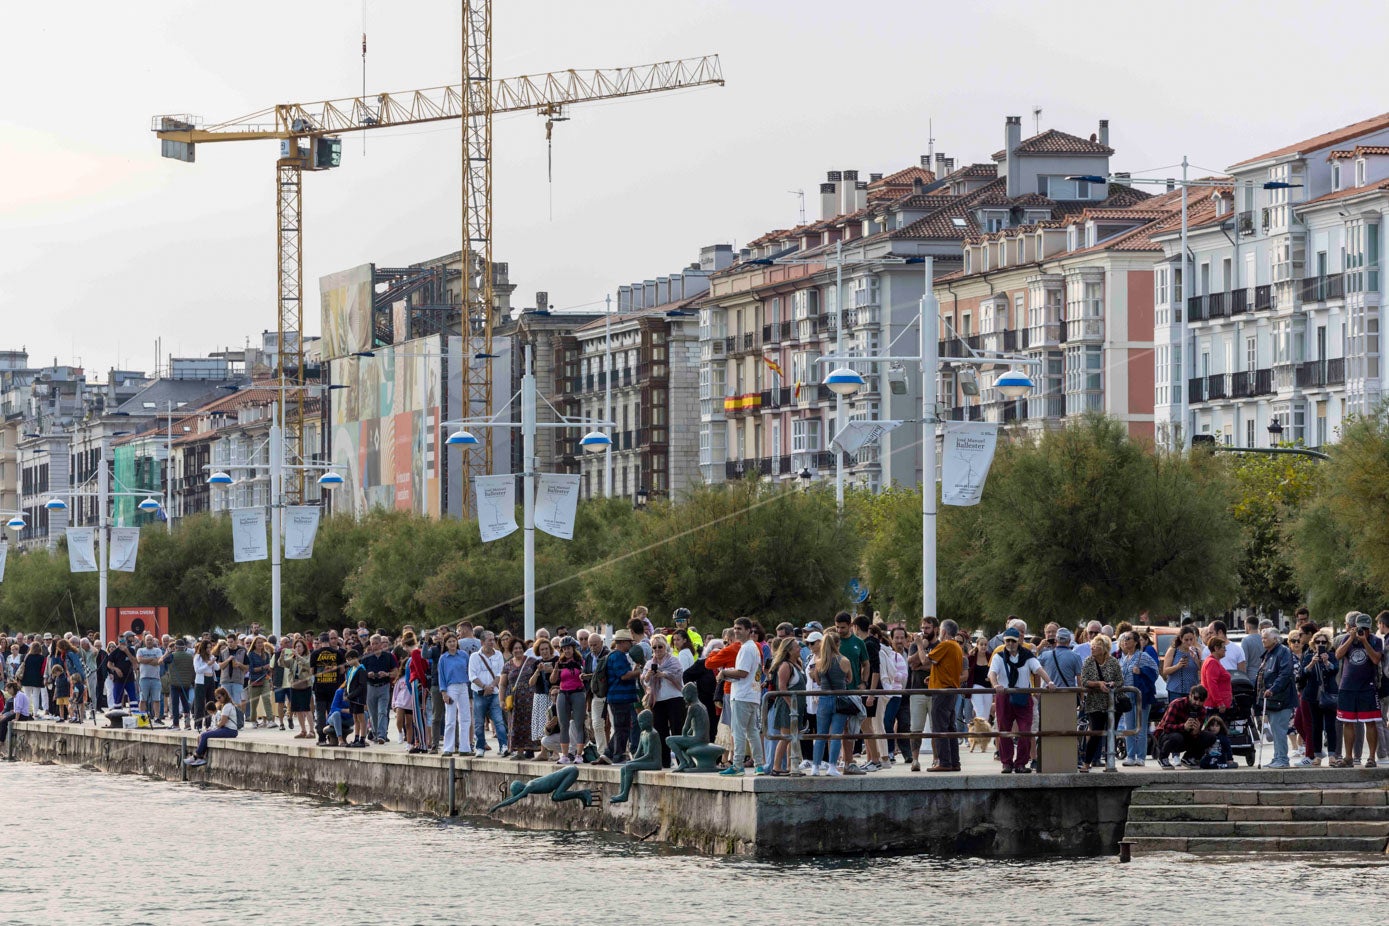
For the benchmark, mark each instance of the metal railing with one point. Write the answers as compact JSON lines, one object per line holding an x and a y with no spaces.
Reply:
{"x":796,"y":736}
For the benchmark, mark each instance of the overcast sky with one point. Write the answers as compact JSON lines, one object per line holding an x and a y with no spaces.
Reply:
{"x":105,"y":246}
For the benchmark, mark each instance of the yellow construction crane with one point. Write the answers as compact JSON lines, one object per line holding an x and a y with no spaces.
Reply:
{"x":308,"y":135}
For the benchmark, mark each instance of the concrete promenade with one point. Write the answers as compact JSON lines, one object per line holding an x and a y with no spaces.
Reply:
{"x":977,"y":811}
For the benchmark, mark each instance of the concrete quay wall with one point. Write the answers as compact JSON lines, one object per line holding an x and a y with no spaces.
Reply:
{"x":980,"y":814}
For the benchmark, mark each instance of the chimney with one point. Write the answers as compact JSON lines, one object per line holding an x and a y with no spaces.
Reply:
{"x":846,"y":191}
{"x":926,"y":161}
{"x":662,"y":290}
{"x":648,"y":294}
{"x":1012,"y":137}
{"x":918,"y":186}
{"x":940,"y":165}
{"x":949,"y":165}
{"x":860,"y":194}
{"x":1104,"y":132}
{"x":827,"y":203}
{"x":874,"y":178}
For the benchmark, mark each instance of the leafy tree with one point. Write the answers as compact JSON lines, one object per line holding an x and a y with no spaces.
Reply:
{"x":181,"y":571}
{"x":404,"y":552}
{"x":1271,"y":490}
{"x":1087,"y":523}
{"x":729,"y":550}
{"x":40,"y":594}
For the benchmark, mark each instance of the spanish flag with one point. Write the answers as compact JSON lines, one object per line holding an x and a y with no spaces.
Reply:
{"x":776,"y":367}
{"x":796,"y":396}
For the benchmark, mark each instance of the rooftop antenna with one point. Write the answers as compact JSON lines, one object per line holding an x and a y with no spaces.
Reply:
{"x":1036,"y":120}
{"x":930,"y":143}
{"x":801,"y":194}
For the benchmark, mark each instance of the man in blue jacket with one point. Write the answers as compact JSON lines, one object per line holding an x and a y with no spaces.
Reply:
{"x":1275,"y":686}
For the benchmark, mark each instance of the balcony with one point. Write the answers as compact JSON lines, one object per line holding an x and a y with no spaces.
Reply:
{"x":1318,"y":374}
{"x":808,"y":328}
{"x":750,"y":342}
{"x":771,"y":333}
{"x":785,"y":329}
{"x":737,"y":469}
{"x":1263,"y":298}
{"x":730,"y":344}
{"x":1217,"y":387}
{"x":1046,"y":406}
{"x":863,"y":316}
{"x":1085,"y":329}
{"x":967,"y":413}
{"x":1239,"y":301}
{"x":1245,"y":223}
{"x":776,"y":398}
{"x":1001,"y":341}
{"x":951,"y":347}
{"x":1196,"y":390}
{"x":1336,"y":371}
{"x":1217,"y":305}
{"x":1197,"y":309}
{"x":1014,"y":411}
{"x":1323,"y":288}
{"x":1042,"y":336}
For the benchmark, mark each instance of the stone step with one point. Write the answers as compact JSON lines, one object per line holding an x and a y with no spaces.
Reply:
{"x":1260,"y":829}
{"x":1273,"y":797}
{"x":1179,"y":812}
{"x":1239,"y":845}
{"x":1309,"y":812}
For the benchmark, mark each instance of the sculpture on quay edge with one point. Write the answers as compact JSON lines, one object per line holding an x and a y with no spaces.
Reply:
{"x":647,"y":758}
{"x":692,"y":750}
{"x":556,"y":784}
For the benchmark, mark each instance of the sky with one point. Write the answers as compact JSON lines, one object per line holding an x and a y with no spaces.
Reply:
{"x":106,"y":247}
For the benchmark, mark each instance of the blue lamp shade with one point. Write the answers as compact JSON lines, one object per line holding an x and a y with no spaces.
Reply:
{"x":149,"y":504}
{"x":844,"y":381}
{"x":1013,"y":384}
{"x":595,"y":442}
{"x":16,"y":523}
{"x":330,"y":480}
{"x":219,"y":479}
{"x":462,"y":439}
{"x":55,"y":504}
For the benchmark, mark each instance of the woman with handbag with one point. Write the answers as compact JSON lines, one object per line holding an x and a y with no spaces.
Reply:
{"x":831,"y":673}
{"x":663,"y":678}
{"x":1101,"y":679}
{"x":1319,"y":693}
{"x":517,"y":692}
{"x":299,"y":677}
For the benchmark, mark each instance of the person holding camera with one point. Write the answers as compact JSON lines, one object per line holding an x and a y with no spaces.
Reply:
{"x":1319,"y":693}
{"x":1357,"y":701}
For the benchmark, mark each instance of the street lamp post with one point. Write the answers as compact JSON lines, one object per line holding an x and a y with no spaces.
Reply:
{"x":594,"y":441}
{"x":844,"y":382}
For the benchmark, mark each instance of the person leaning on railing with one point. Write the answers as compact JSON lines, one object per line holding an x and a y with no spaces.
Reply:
{"x":1015,"y":667}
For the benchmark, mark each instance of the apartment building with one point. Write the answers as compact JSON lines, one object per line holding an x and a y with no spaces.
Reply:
{"x":1278,"y":337}
{"x":778,"y":307}
{"x":640,"y":367}
{"x":1077,"y":295}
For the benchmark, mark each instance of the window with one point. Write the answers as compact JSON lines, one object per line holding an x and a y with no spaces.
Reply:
{"x":1360,"y":172}
{"x":805,"y":435}
{"x":1251,"y":353}
{"x":1335,"y":176}
{"x":1160,"y":279}
{"x":1061,"y":188}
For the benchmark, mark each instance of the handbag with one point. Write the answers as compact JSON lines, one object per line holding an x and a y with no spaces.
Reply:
{"x":1326,"y":700}
{"x":510,"y":703}
{"x":1123,"y":704}
{"x":849,"y":705}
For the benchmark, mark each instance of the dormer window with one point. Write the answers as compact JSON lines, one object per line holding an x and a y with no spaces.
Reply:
{"x":1221,"y":207}
{"x":1089,"y":234}
{"x":1335,"y":176}
{"x":1072,"y":238}
{"x":1359,"y":171}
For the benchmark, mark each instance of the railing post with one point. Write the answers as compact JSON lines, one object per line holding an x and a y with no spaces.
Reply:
{"x":1110,"y":739}
{"x":182,"y":758}
{"x":793,"y":752}
{"x":9,"y":740}
{"x":453,"y":786}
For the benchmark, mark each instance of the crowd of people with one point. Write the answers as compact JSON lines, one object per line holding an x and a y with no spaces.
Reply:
{"x":573,"y":697}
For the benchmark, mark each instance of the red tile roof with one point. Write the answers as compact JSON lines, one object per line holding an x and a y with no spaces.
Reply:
{"x":1053,"y":141}
{"x":1326,"y":140}
{"x":904,"y":177}
{"x":1341,"y":154}
{"x":1346,"y":193}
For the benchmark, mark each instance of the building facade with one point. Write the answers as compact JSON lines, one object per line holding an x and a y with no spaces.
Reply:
{"x":1277,"y":338}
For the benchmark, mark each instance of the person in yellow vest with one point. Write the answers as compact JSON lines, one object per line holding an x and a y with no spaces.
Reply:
{"x":681,"y":618}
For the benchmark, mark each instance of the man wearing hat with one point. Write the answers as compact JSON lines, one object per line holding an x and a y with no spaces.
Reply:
{"x":622,"y":694}
{"x":1015,"y":667}
{"x":681,"y":619}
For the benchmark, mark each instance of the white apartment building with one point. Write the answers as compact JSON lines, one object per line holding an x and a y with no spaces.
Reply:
{"x":1278,"y":338}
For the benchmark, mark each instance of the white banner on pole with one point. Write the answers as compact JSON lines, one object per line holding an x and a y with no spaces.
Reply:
{"x":4,"y":551}
{"x":125,"y":545}
{"x":855,"y":434}
{"x":556,"y":500}
{"x":965,"y":460}
{"x":496,"y":506}
{"x":248,"y":535}
{"x":301,"y":527}
{"x":81,"y":549}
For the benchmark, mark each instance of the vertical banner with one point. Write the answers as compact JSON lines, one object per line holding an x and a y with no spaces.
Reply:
{"x":81,"y":549}
{"x":248,"y":535}
{"x":556,"y":500}
{"x":4,"y":551}
{"x":301,"y":527}
{"x":965,"y":460}
{"x":496,"y":506}
{"x":125,"y":544}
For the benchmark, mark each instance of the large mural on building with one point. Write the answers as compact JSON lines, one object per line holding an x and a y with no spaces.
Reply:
{"x":346,"y":302}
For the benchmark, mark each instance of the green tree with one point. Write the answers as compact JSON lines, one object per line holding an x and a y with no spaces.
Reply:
{"x":740,"y":548}
{"x":1087,"y":523}
{"x":181,"y":571}
{"x":40,"y":594}
{"x":1271,"y":490}
{"x":404,"y":552}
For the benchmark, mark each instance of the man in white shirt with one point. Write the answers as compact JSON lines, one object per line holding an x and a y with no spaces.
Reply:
{"x":484,"y":674}
{"x":745,"y":694}
{"x":1015,"y":667}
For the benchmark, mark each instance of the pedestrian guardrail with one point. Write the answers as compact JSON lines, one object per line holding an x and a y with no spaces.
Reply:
{"x":795,"y":737}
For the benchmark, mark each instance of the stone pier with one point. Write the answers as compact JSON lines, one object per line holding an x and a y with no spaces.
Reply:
{"x":978,"y":812}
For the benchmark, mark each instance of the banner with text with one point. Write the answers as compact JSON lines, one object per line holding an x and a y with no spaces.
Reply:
{"x":301,"y":527}
{"x":965,"y":460}
{"x":556,"y":500}
{"x":248,"y":535}
{"x":125,"y":545}
{"x":81,"y":549}
{"x":496,"y":506}
{"x":855,"y":434}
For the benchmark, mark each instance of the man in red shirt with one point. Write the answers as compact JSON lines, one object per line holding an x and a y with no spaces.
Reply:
{"x":1180,"y":729}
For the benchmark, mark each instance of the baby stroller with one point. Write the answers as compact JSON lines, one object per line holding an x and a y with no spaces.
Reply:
{"x":1241,"y":721}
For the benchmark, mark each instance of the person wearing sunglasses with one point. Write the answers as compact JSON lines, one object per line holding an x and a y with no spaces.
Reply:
{"x":1181,"y":730}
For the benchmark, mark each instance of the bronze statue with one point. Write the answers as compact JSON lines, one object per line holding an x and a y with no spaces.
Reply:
{"x":692,"y":750}
{"x":647,"y":758}
{"x":556,"y":784}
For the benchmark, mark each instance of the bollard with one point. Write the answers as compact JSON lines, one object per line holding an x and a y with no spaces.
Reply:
{"x":793,"y":752}
{"x":1111,"y":744}
{"x":1125,"y":853}
{"x":453,"y":785}
{"x":9,"y":744}
{"x":182,"y":758}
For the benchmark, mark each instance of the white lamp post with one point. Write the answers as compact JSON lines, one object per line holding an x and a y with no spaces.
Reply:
{"x":844,"y":381}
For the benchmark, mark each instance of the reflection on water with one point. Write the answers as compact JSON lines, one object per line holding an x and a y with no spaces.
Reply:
{"x":83,"y":847}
